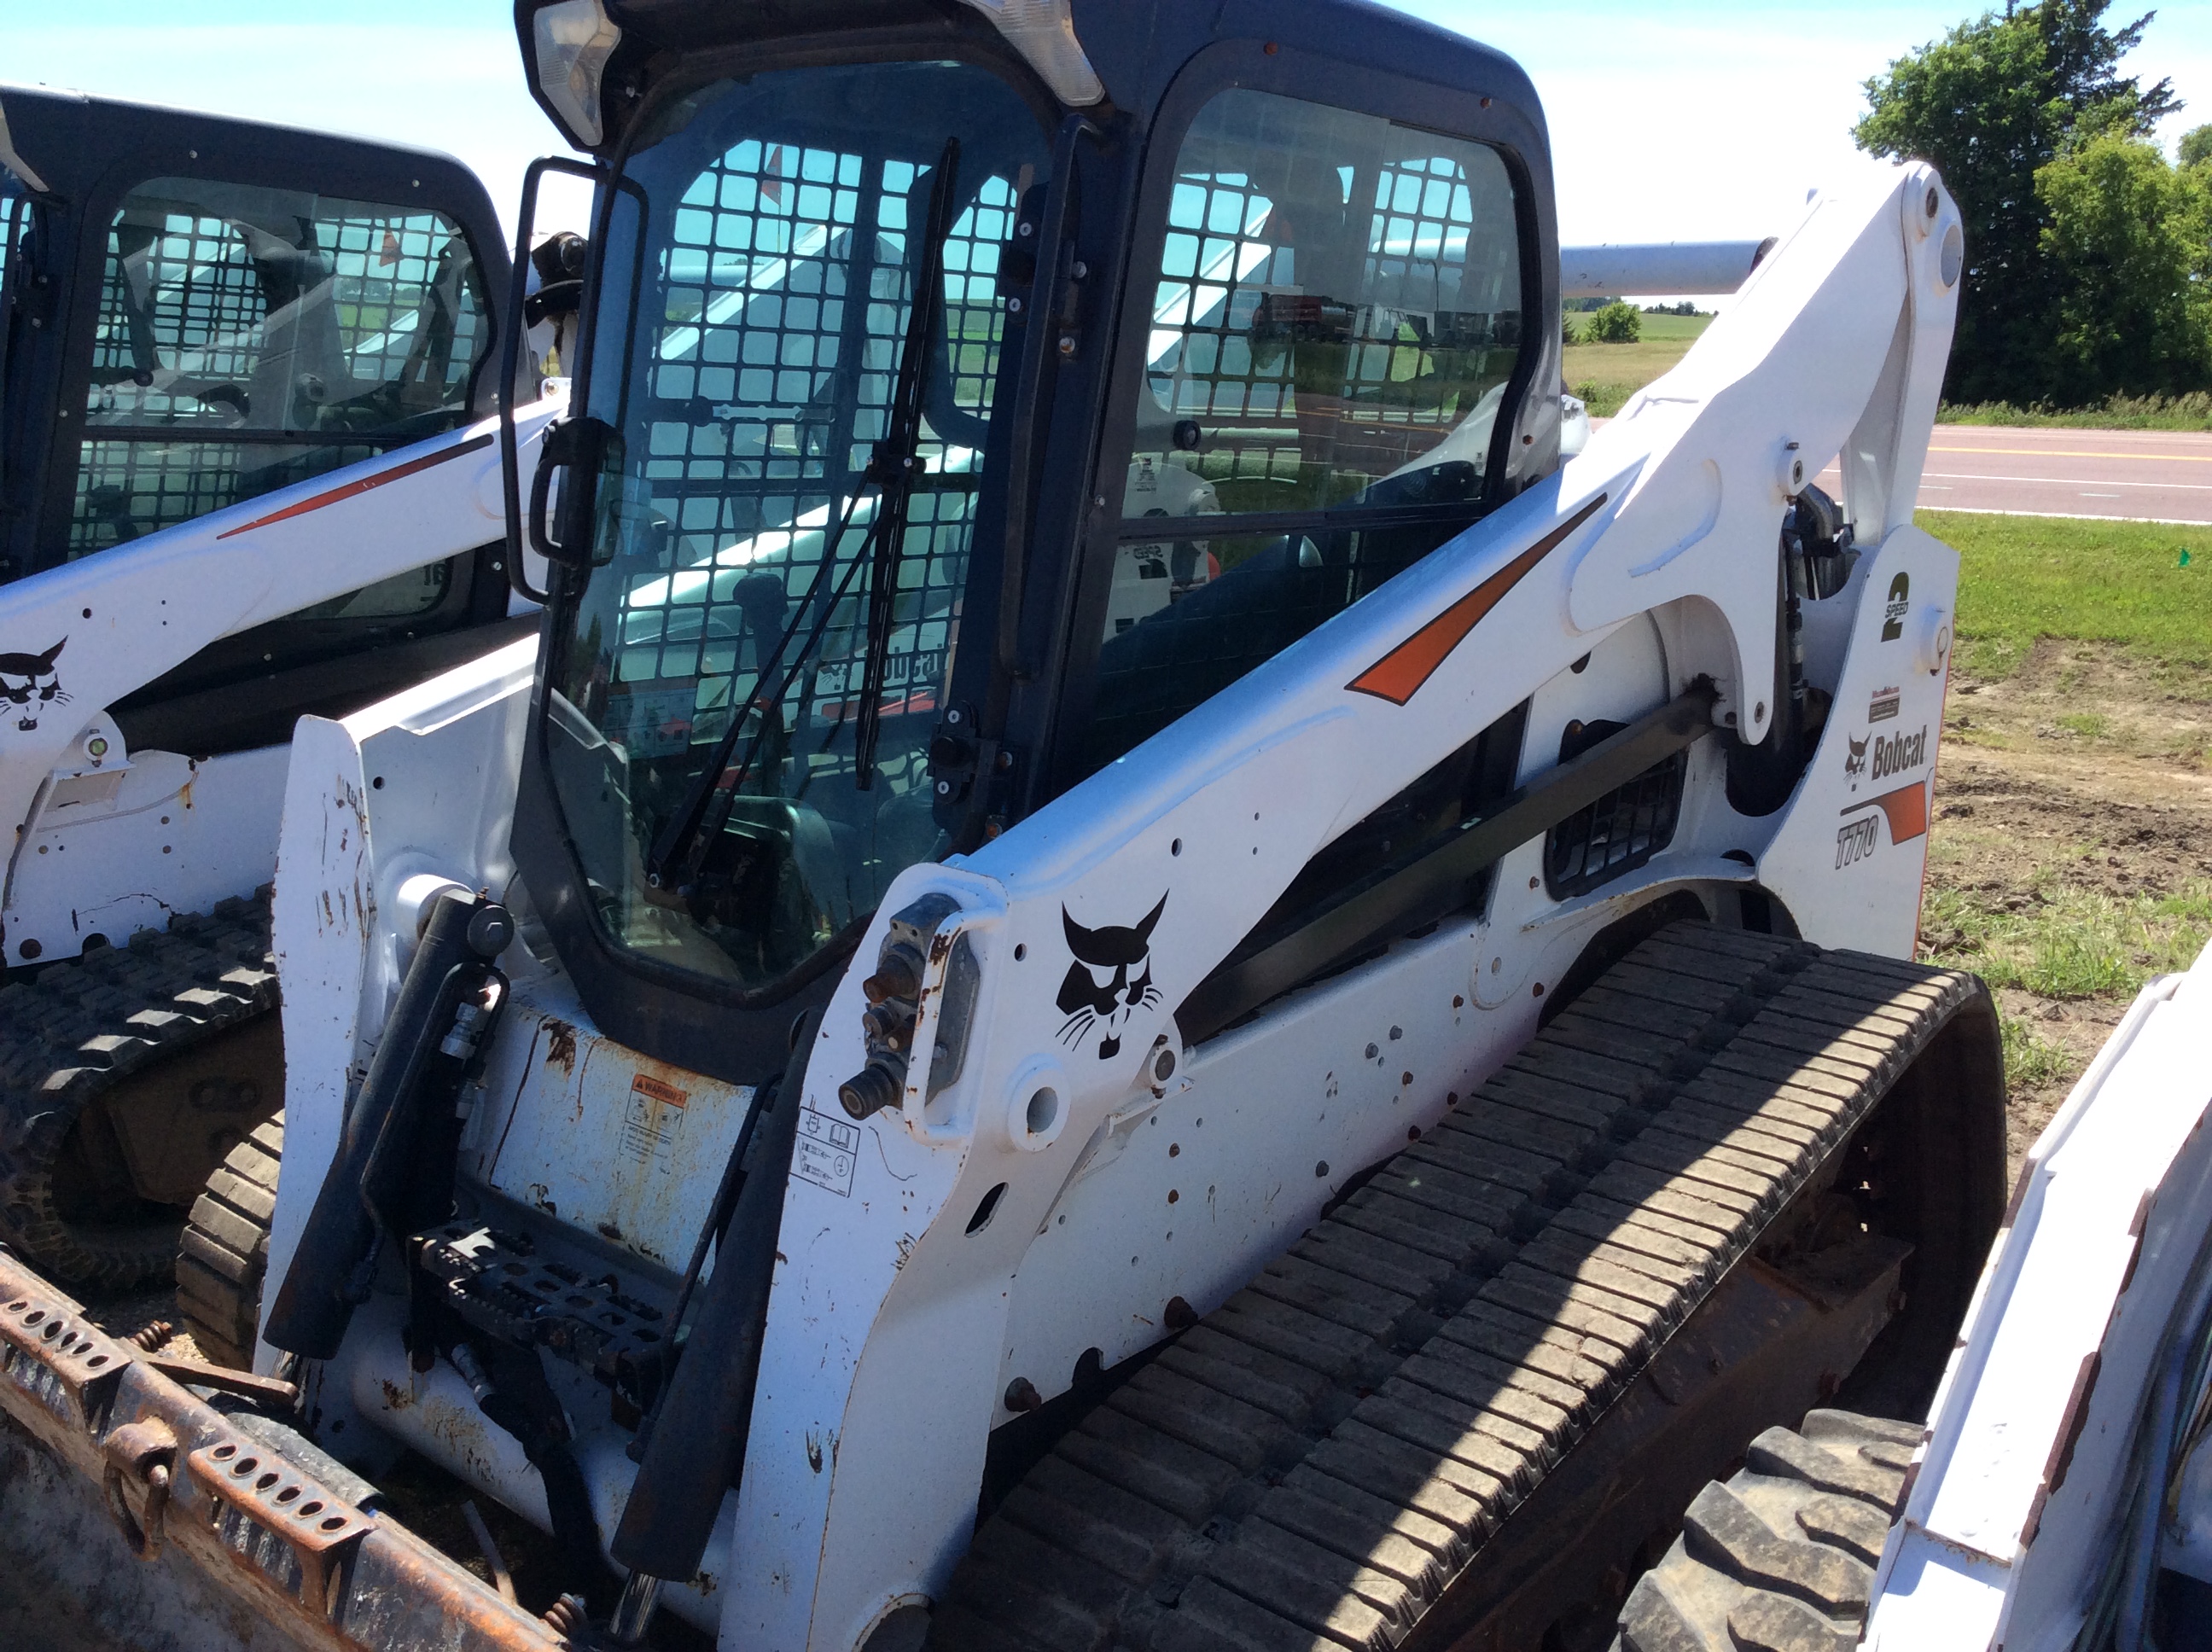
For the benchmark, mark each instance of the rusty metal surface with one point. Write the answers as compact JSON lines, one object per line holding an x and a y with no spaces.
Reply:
{"x":190,"y":1490}
{"x":268,"y":1390}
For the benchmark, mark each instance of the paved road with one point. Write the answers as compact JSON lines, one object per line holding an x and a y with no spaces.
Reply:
{"x":2161,"y":476}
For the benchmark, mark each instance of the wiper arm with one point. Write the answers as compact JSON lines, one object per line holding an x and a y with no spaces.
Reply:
{"x":897,"y":461}
{"x":890,"y":469}
{"x":671,"y":850}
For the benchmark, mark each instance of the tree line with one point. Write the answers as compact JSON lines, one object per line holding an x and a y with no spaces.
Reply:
{"x":2089,"y":253}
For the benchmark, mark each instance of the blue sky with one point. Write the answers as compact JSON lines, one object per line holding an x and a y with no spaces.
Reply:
{"x":1669,"y":121}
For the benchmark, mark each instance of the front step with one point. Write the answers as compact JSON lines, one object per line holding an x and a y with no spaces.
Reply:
{"x":1317,"y":1460}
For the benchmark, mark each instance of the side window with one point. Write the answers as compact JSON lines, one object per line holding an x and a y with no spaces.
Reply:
{"x":249,"y":338}
{"x":1335,"y":316}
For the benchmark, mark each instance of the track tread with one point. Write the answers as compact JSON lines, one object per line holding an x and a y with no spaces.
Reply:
{"x":1777,"y":1557}
{"x":223,"y":1253}
{"x":83,"y":1024}
{"x":1323,"y":1455}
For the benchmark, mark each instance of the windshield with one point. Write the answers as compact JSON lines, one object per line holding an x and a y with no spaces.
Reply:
{"x":733,"y":809}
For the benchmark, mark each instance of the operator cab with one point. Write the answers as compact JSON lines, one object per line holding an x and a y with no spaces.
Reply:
{"x":958,"y":407}
{"x":197,"y":311}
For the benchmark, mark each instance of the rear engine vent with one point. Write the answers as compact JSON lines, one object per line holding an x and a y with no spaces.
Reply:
{"x":1621,"y":830}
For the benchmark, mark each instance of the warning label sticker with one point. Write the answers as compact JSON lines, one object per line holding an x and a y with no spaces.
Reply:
{"x":652,"y":1119}
{"x":826,"y":1150}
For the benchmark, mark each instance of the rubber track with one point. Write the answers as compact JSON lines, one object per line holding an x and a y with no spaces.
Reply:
{"x":1781,"y":1557}
{"x":81,"y":1025}
{"x":224,"y":1253}
{"x":1314,"y":1462}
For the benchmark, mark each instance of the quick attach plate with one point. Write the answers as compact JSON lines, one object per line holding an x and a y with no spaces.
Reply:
{"x":497,"y":1283}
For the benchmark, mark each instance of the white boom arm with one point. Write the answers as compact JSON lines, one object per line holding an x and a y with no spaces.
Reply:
{"x":115,"y":621}
{"x":891,"y":1312}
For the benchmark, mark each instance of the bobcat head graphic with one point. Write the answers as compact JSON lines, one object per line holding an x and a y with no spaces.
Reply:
{"x":1855,"y":760}
{"x":28,"y":681}
{"x":1109,"y":980}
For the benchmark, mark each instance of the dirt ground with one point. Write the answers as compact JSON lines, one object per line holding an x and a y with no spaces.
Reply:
{"x":2070,"y":854}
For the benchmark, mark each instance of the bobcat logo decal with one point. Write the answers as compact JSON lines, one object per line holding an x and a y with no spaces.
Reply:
{"x":1855,"y":760}
{"x":28,"y":681}
{"x":1109,"y":980}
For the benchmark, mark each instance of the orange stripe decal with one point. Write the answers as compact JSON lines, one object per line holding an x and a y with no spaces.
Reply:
{"x":1906,"y":808}
{"x":1398,"y":675}
{"x":353,"y":490}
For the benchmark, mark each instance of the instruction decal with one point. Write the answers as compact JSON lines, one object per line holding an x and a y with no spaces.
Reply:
{"x":652,"y":1121}
{"x":826,"y":1153}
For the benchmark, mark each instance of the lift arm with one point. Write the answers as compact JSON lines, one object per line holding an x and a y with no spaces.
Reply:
{"x":858,"y":1489}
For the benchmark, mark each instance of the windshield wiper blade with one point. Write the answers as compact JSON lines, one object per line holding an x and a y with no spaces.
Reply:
{"x":896,"y":462}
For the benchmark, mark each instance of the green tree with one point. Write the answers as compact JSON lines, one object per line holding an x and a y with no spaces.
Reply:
{"x":1618,"y":323}
{"x":1990,"y":104}
{"x":2196,"y":146}
{"x":2130,"y":239}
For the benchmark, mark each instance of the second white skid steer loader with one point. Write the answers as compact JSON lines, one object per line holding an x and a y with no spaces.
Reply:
{"x":239,"y":365}
{"x":1130,"y":977}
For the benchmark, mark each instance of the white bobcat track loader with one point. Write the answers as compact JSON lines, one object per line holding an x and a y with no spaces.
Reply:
{"x":899,"y":1089}
{"x":243,"y":375}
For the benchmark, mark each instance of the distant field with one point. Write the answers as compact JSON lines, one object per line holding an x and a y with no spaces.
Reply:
{"x":1606,"y":375}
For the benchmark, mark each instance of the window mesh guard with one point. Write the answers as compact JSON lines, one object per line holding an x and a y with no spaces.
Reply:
{"x":758,"y":425}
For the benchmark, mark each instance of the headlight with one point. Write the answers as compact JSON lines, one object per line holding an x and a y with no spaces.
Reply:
{"x":1043,"y":32}
{"x":574,"y":38}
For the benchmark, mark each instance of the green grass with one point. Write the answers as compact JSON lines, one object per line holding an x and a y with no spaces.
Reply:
{"x":2087,"y":724}
{"x":2190,"y":412}
{"x":2067,"y":941}
{"x":2031,"y":1061}
{"x":2023,"y":578}
{"x":1660,"y":329}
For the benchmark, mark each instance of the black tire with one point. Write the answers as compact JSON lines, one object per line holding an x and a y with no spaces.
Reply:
{"x":1779,"y":1557}
{"x":224,"y":1253}
{"x":79,"y":1033}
